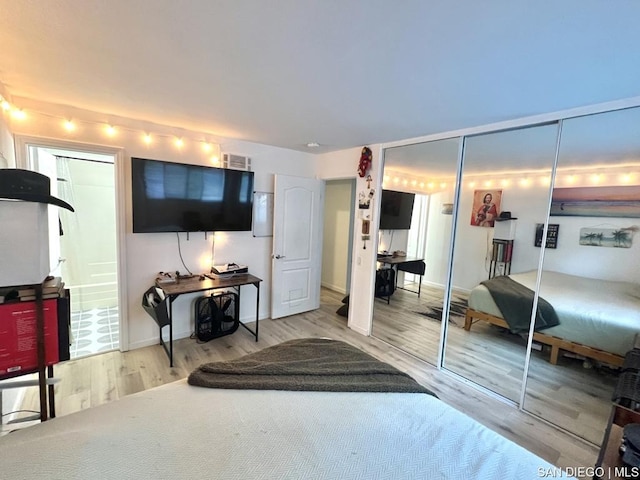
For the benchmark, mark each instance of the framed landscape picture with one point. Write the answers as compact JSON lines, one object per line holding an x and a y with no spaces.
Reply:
{"x":616,"y":201}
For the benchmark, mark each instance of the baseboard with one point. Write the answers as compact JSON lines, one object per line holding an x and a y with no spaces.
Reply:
{"x":179,"y":335}
{"x":334,"y":288}
{"x":360,"y":330}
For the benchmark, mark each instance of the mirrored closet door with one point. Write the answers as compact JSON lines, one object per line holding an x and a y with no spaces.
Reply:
{"x":590,"y":272}
{"x":504,"y":194}
{"x":414,"y":245}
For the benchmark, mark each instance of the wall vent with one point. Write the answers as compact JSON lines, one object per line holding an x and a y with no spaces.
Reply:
{"x":236,"y":162}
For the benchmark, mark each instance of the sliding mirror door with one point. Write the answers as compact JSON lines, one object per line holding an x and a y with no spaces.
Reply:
{"x":590,"y":273}
{"x":504,"y":193}
{"x":414,"y":245}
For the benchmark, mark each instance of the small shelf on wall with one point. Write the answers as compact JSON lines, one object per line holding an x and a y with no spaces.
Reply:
{"x":501,"y":255}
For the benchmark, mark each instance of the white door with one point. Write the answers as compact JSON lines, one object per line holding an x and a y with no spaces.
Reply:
{"x":297,"y":245}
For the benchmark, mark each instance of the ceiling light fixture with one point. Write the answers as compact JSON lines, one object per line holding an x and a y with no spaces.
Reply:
{"x":313,"y":144}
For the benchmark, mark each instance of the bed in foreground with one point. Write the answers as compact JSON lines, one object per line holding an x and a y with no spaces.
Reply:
{"x":184,"y":431}
{"x":597,"y":319}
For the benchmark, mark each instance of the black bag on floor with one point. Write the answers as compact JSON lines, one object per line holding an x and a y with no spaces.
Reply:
{"x":216,"y":316}
{"x":385,"y":282}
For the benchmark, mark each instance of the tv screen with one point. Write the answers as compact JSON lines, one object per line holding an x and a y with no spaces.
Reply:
{"x":395,"y":210}
{"x":174,"y":197}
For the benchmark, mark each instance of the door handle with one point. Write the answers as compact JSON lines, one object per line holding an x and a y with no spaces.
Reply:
{"x":277,"y":257}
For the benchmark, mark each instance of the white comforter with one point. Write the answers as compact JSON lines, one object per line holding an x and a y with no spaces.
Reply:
{"x":182,"y":432}
{"x":596,"y":313}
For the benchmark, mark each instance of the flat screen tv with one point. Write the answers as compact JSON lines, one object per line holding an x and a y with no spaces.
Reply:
{"x":396,"y":209}
{"x":175,"y":197}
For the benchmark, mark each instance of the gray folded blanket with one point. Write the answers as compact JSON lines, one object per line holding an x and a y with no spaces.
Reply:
{"x":309,"y":364}
{"x":515,"y":302}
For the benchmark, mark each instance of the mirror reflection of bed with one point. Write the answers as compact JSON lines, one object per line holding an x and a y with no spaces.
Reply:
{"x":573,"y":367}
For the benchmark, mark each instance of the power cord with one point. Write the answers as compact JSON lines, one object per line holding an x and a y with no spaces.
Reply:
{"x":180,"y":253}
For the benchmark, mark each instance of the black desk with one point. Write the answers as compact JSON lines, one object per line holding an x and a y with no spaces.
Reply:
{"x":194,"y":285}
{"x":394,"y":262}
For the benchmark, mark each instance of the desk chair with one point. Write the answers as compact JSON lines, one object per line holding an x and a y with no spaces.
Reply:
{"x":417,"y":267}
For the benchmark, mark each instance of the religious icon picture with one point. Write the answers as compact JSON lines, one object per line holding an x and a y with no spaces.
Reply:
{"x":486,"y":207}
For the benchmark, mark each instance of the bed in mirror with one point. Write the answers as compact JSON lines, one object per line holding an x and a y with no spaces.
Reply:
{"x":590,"y":272}
{"x":505,"y":185}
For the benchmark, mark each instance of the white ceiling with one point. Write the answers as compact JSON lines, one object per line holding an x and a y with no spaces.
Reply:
{"x":343,"y":73}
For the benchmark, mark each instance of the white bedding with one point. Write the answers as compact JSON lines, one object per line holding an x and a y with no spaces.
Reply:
{"x":596,"y":313}
{"x":178,"y":431}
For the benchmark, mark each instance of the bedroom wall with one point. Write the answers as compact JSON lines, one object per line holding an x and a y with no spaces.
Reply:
{"x":343,"y":164}
{"x":473,"y":249}
{"x":146,"y":254}
{"x":7,"y":150}
{"x":438,"y":239}
{"x":570,"y":257}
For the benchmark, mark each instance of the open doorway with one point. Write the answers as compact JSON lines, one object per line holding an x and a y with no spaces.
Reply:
{"x":85,"y":242}
{"x":338,"y":235}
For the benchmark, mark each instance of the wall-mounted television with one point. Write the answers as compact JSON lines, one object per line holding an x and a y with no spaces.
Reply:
{"x":396,"y":209}
{"x":175,"y":197}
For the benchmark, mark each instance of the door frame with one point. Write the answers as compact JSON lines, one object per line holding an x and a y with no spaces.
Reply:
{"x":22,"y":144}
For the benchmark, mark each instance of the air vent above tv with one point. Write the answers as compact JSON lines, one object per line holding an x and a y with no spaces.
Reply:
{"x":236,"y":162}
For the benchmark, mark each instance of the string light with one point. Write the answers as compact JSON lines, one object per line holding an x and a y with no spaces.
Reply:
{"x":18,"y":114}
{"x":627,"y":177}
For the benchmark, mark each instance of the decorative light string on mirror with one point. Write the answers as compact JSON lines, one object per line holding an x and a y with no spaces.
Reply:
{"x":613,"y":175}
{"x":70,"y":126}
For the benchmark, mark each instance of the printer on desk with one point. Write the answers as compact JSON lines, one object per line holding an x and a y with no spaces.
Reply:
{"x":229,"y":269}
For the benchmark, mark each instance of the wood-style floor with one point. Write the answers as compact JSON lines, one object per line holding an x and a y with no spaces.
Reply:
{"x":567,"y":394}
{"x":95,"y":380}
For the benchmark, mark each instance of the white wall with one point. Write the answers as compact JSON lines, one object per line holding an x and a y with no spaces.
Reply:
{"x":473,"y":244}
{"x":337,"y":231}
{"x":344,"y":164}
{"x":147,"y":254}
{"x":7,"y":150}
{"x":438,"y":241}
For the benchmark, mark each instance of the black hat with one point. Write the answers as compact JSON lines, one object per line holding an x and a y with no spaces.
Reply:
{"x":505,"y":216}
{"x":29,"y":186}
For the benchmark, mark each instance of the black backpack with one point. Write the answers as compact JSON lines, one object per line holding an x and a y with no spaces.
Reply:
{"x":216,"y":316}
{"x":385,"y":282}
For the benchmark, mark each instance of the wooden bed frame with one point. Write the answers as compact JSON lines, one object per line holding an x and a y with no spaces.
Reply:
{"x":555,"y":343}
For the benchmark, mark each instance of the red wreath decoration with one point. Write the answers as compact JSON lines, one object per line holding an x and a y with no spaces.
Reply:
{"x":365,"y":161}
